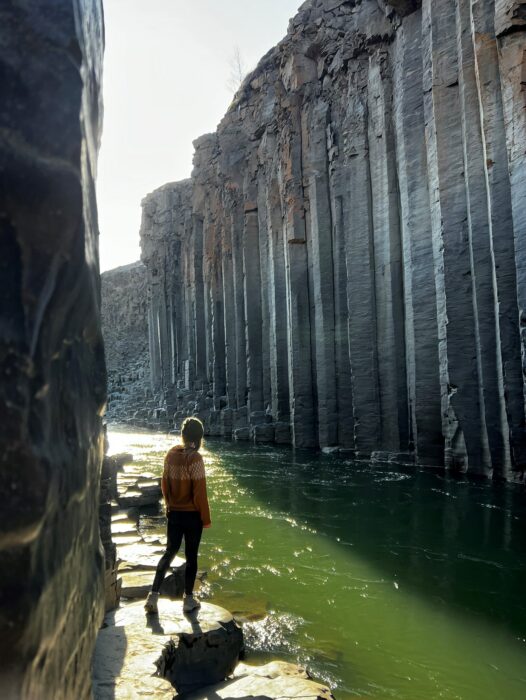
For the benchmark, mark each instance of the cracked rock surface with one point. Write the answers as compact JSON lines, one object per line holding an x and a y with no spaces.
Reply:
{"x":187,"y":650}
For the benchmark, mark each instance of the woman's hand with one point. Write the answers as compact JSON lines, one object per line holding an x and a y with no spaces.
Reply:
{"x":206,"y":527}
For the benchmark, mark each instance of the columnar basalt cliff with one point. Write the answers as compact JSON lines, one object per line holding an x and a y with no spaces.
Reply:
{"x":349,"y":257}
{"x":125,"y":333}
{"x":52,"y":378}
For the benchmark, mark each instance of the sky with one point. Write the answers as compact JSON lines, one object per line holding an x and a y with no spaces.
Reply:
{"x":166,"y":72}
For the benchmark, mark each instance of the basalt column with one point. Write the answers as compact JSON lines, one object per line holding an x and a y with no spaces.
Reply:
{"x":252,"y":277}
{"x":359,"y":254}
{"x":421,"y":330}
{"x":507,"y":44}
{"x":52,"y":374}
{"x":303,"y":423}
{"x":316,"y":175}
{"x":356,"y":258}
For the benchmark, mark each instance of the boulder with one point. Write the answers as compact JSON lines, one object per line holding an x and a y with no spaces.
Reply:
{"x":263,"y":433}
{"x":204,"y":648}
{"x":282,"y":434}
{"x":242,"y":434}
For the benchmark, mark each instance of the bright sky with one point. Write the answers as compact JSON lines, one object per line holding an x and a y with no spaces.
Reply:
{"x":166,"y":71}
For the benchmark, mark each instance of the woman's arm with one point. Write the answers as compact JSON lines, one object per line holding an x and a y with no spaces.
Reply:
{"x":165,"y":481}
{"x":200,"y":495}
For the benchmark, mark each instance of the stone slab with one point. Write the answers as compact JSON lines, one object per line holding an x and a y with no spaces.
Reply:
{"x":277,"y":680}
{"x":130,"y":644}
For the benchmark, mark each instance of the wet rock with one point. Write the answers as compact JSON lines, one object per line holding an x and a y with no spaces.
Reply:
{"x":241,"y":434}
{"x":277,"y":680}
{"x":52,"y":376}
{"x":262,"y":433}
{"x":282,"y":434}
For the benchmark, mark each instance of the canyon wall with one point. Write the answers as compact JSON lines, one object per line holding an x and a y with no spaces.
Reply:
{"x":53,"y":383}
{"x":125,"y":333}
{"x":347,"y":265}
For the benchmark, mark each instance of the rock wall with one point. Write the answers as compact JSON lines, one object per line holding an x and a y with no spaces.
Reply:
{"x":53,"y":384}
{"x":348,"y":258}
{"x":125,"y":332}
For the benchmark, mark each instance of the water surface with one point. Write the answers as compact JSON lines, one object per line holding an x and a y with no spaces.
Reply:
{"x":385,"y":582}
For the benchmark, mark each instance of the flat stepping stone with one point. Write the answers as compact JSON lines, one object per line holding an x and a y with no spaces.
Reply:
{"x":127,"y":478}
{"x":136,"y":499}
{"x":131,"y":469}
{"x":147,"y":486}
{"x":277,"y":680}
{"x":143,"y":555}
{"x":126,"y":538}
{"x":191,"y":648}
{"x":136,"y":583}
{"x":153,"y":539}
{"x":124,"y":526}
{"x":148,"y":477}
{"x":119,"y":516}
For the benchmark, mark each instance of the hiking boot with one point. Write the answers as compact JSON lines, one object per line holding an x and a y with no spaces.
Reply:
{"x":151,"y":603}
{"x":190,"y":603}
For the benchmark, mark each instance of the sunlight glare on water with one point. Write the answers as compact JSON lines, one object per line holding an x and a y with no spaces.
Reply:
{"x":384,"y":582}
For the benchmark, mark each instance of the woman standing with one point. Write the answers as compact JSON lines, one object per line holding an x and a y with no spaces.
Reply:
{"x":184,"y":491}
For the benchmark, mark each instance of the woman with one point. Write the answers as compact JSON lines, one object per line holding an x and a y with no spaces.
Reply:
{"x":184,"y":491}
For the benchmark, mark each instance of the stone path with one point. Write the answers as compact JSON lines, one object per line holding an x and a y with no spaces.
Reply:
{"x":140,"y":656}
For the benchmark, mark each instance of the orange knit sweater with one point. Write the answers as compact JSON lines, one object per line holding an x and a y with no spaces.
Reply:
{"x":184,"y":482}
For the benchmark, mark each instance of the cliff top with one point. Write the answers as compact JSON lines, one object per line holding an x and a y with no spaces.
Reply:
{"x":123,"y":268}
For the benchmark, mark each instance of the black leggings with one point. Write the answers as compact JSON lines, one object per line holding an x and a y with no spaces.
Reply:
{"x":181,"y":523}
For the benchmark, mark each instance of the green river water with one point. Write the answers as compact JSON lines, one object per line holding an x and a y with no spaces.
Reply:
{"x":384,"y":581}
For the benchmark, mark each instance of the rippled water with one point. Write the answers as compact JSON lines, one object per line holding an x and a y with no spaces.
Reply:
{"x":385,"y":582}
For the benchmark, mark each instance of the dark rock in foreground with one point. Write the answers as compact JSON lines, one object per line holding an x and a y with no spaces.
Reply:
{"x":52,"y":377}
{"x":204,"y":649}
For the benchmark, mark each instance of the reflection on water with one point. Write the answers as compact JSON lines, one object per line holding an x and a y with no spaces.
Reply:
{"x":385,"y":582}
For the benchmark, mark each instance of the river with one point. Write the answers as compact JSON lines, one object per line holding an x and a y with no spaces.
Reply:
{"x":384,"y":581}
